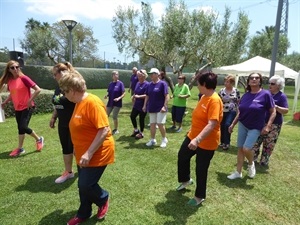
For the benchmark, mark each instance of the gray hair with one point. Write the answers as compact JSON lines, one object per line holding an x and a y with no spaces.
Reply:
{"x":278,"y":80}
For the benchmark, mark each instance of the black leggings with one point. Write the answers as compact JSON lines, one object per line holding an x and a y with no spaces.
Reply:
{"x":65,"y":139}
{"x":23,"y":117}
{"x":141,"y":114}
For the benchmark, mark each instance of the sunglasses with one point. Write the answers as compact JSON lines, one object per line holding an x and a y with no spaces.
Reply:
{"x":14,"y":67}
{"x":272,"y":84}
{"x":252,"y":78}
{"x":180,"y":78}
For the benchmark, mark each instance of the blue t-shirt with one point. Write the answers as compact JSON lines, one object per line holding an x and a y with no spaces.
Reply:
{"x":140,"y":89}
{"x":115,"y":90}
{"x":253,"y":109}
{"x":156,"y":93}
{"x":280,"y":99}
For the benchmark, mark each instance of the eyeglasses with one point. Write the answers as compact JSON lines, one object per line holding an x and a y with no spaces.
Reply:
{"x":14,"y":67}
{"x":180,"y":78}
{"x":252,"y":78}
{"x":271,"y":83}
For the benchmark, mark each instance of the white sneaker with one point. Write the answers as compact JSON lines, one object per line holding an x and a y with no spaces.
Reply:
{"x":251,"y":170}
{"x":235,"y":175}
{"x":184,"y":185}
{"x":164,"y":143}
{"x":151,"y":143}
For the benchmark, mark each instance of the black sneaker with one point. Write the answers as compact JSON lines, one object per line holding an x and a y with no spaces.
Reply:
{"x":134,"y":133}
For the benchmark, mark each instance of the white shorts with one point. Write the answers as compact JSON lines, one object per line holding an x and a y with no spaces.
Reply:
{"x":158,"y":117}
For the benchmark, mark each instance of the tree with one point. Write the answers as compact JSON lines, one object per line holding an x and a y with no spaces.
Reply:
{"x":4,"y":54}
{"x":292,"y":61}
{"x":180,"y":38}
{"x":43,"y":41}
{"x":262,"y":43}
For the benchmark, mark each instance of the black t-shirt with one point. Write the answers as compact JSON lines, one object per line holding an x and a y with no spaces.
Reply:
{"x":63,"y":107}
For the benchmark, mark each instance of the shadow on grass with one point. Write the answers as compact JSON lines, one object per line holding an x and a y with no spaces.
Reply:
{"x":176,"y":206}
{"x":232,"y":150}
{"x":135,"y":144}
{"x":45,"y":184}
{"x":58,"y":217}
{"x":237,"y":183}
{"x":5,"y":155}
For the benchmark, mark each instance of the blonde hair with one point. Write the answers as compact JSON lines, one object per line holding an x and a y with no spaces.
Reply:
{"x":7,"y":75}
{"x":72,"y":80}
{"x":230,"y":78}
{"x":61,"y":67}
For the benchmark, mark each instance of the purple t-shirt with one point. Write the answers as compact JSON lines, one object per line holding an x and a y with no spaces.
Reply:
{"x":280,"y":99}
{"x":156,"y":93}
{"x":253,"y":109}
{"x":140,"y":89}
{"x":133,"y":80}
{"x":115,"y":90}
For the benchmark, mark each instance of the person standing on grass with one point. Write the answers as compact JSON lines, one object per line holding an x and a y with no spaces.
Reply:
{"x":115,"y":94}
{"x":133,"y":81}
{"x":94,"y":146}
{"x":230,"y":97}
{"x":138,"y":102}
{"x":180,"y":95}
{"x":63,"y":110}
{"x":156,"y":103}
{"x":19,"y":87}
{"x":276,"y":84}
{"x":203,"y":138}
{"x":163,"y":77}
{"x":253,"y":108}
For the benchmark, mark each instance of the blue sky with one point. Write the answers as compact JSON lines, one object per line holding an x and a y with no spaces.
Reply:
{"x":98,"y":14}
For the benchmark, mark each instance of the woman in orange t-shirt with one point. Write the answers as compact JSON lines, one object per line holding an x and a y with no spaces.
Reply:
{"x":94,"y":146}
{"x":203,"y":138}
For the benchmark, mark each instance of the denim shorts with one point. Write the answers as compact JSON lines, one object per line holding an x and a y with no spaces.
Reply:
{"x":246,"y":137}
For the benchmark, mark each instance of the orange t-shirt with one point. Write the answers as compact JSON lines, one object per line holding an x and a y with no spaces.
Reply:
{"x":88,"y":117}
{"x":208,"y":108}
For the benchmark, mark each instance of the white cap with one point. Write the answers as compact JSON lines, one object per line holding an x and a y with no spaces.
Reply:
{"x":154,"y":70}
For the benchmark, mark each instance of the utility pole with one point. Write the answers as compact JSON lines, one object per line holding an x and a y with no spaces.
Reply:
{"x":276,"y":37}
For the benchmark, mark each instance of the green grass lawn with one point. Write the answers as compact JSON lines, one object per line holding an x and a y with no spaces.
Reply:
{"x":142,"y":180}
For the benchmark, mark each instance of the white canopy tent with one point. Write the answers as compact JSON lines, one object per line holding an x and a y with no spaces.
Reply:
{"x":262,"y":65}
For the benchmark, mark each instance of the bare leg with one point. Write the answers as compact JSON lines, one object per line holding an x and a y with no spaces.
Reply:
{"x":240,"y":160}
{"x":162,"y":129}
{"x":34,"y":135}
{"x":68,"y":160}
{"x":249,"y":155}
{"x":152,"y":130}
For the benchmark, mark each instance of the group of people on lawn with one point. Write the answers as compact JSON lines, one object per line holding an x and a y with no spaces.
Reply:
{"x":258,"y":113}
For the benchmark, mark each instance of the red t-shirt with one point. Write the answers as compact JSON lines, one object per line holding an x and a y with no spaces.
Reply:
{"x":20,"y":93}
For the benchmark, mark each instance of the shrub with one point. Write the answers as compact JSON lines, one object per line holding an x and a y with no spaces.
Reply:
{"x":42,"y":102}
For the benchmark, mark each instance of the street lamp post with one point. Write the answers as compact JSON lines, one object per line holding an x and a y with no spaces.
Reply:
{"x":70,"y":24}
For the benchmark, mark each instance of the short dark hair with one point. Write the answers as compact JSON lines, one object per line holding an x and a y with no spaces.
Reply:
{"x":208,"y":79}
{"x":248,"y":88}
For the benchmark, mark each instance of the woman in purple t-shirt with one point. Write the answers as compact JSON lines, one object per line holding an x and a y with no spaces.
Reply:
{"x":156,"y":103}
{"x":276,"y":83}
{"x":252,"y":112}
{"x":115,"y":93}
{"x":138,"y":99}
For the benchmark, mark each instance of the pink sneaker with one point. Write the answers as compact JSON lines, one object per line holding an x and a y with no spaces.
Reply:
{"x":75,"y":220}
{"x":65,"y":176}
{"x":102,"y":210}
{"x":17,"y":152}
{"x":40,"y":144}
